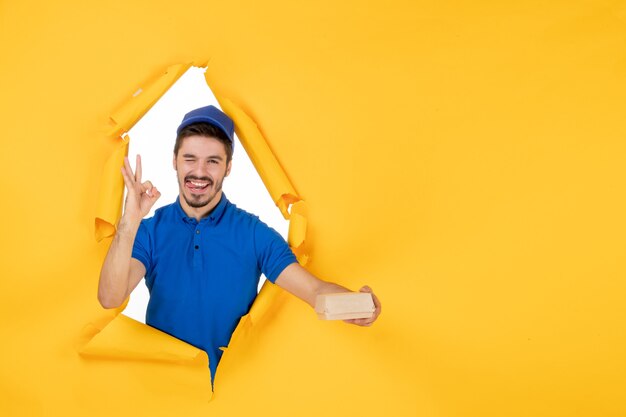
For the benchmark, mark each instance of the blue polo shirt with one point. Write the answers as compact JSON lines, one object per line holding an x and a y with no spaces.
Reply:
{"x":203,"y":276}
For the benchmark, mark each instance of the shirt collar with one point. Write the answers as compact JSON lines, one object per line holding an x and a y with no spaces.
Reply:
{"x":214,"y":216}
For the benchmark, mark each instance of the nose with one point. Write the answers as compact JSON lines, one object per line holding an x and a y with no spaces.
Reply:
{"x":200,"y":169}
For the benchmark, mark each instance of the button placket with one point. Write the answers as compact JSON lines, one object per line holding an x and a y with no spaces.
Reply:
{"x":197,"y":243}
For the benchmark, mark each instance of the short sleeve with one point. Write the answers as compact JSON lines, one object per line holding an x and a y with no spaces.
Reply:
{"x":142,"y":247}
{"x":273,"y":253}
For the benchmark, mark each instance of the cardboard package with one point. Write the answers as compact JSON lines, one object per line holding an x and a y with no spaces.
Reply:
{"x":343,"y":306}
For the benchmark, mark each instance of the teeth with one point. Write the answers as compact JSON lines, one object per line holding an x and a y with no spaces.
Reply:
{"x":198,"y":184}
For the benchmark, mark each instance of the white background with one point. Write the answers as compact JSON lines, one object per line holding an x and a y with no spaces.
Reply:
{"x":153,"y":138}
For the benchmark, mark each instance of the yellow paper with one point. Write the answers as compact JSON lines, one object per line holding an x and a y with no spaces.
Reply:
{"x":123,"y":119}
{"x":109,"y":208}
{"x":144,"y":98}
{"x":266,"y":164}
{"x":125,"y":338}
{"x":464,"y":159}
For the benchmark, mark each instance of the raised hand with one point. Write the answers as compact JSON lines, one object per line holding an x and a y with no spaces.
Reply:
{"x":140,"y":196}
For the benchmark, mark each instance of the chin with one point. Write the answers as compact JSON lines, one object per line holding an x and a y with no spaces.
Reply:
{"x":198,"y":203}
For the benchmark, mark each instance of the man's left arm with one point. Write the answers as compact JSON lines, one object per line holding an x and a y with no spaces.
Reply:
{"x":306,"y":286}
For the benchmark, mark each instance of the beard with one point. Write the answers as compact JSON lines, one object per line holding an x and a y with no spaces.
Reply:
{"x":201,"y":200}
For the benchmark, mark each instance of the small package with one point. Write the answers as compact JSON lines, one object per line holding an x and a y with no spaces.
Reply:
{"x":344,"y":306}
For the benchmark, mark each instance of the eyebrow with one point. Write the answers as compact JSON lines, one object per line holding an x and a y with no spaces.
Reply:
{"x":189,"y":155}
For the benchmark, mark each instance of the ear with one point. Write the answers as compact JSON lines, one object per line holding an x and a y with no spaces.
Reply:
{"x":174,"y":162}
{"x":228,"y":167}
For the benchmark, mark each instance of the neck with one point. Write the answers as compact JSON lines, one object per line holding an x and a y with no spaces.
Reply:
{"x":199,"y":213}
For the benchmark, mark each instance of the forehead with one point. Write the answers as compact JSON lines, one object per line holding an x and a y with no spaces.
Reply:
{"x":202,"y":146}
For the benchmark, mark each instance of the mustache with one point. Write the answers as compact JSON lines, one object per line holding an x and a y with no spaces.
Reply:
{"x":193,"y":177}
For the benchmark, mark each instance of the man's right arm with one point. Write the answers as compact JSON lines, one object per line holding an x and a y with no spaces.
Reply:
{"x":120,"y":272}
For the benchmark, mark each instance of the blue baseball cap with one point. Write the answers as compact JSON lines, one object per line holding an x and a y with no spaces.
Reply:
{"x":211,"y":115}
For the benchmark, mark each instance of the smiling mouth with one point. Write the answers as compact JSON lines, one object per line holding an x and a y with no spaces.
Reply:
{"x":197,"y":186}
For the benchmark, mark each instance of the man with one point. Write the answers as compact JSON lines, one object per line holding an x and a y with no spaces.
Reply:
{"x":201,"y":256}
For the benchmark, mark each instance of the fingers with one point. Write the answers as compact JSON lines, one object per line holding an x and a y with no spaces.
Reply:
{"x":360,"y":322}
{"x":151,"y":192}
{"x":155,"y":194}
{"x":133,"y":181}
{"x":136,"y":176}
{"x":378,"y":307}
{"x":128,"y":182}
{"x":147,"y":188}
{"x":127,"y":171}
{"x":377,"y":303}
{"x":131,"y":178}
{"x":376,"y":300}
{"x":138,"y":168}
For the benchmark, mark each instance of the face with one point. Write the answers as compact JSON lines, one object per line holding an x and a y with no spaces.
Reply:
{"x":201,"y":168}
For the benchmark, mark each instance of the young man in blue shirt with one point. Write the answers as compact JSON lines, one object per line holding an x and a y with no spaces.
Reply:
{"x":201,"y":255}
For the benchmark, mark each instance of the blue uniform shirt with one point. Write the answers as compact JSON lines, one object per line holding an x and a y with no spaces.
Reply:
{"x":203,"y":276}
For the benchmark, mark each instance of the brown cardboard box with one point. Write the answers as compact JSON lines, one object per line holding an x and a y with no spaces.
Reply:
{"x":343,"y":306}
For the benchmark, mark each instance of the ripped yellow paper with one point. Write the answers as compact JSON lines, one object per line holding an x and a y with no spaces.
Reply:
{"x":144,"y":98}
{"x":128,"y":339}
{"x":266,"y":164}
{"x":291,"y":205}
{"x":124,"y":338}
{"x":297,"y":232}
{"x":464,"y":159}
{"x":109,"y":208}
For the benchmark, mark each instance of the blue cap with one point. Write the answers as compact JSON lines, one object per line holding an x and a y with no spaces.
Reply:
{"x":211,"y":115}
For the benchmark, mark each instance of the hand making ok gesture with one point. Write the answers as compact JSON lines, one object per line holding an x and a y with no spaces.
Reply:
{"x":140,"y":196}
